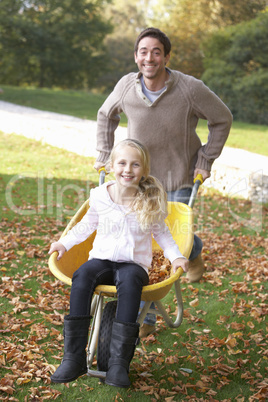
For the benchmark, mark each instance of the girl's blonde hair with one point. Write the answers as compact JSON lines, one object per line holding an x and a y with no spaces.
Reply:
{"x":150,"y":203}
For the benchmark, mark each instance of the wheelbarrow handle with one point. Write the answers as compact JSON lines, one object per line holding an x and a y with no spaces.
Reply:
{"x":197,"y":183}
{"x":102,"y":172}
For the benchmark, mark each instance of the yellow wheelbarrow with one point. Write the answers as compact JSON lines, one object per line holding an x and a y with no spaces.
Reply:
{"x":180,"y":223}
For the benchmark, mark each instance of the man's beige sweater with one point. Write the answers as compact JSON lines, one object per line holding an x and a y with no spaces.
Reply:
{"x":168,"y":126}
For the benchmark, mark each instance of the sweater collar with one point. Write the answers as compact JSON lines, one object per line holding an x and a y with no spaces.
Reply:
{"x":169,"y":83}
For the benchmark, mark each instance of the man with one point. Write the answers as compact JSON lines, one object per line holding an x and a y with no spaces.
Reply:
{"x":163,"y":107}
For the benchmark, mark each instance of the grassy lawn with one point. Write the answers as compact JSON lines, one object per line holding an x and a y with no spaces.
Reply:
{"x":223,"y":336}
{"x":85,"y":105}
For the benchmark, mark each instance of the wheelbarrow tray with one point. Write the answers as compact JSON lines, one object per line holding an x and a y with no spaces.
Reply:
{"x":180,"y":223}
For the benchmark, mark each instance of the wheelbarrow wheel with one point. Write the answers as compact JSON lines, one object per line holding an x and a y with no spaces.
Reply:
{"x":103,"y":351}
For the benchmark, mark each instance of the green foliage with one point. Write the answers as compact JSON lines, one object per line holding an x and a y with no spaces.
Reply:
{"x":89,"y":43}
{"x":236,"y":68}
{"x":126,"y":17}
{"x":187,"y":23}
{"x":52,"y":42}
{"x":233,"y":12}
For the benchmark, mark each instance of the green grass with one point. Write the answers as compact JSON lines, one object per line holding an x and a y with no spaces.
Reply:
{"x":85,"y":105}
{"x":222,"y":338}
{"x":250,"y":137}
{"x":74,"y":103}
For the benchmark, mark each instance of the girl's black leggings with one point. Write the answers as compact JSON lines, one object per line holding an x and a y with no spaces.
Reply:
{"x":129,"y":278}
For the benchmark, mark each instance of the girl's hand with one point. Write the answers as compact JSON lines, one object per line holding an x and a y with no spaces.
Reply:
{"x":180,"y":262}
{"x":57,"y":246}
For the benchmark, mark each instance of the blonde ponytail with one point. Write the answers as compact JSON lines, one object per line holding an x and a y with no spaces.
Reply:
{"x":150,"y":203}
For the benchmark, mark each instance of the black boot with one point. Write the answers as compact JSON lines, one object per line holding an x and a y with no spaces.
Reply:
{"x":122,"y":348}
{"x":74,"y":362}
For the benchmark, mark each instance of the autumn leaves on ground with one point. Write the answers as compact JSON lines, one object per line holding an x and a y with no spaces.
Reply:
{"x":218,"y":354}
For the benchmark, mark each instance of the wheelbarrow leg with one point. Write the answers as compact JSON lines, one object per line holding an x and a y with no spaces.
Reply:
{"x":94,"y":332}
{"x":179,"y":317}
{"x":101,"y":335}
{"x":144,"y":311}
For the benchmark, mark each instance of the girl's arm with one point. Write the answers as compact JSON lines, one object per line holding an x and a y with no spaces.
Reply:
{"x":171,"y":250}
{"x":76,"y":235}
{"x":80,"y":232}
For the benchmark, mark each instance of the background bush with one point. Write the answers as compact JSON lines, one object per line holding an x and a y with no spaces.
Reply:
{"x":236,"y":68}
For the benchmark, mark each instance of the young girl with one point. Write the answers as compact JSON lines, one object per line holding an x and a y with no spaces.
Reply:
{"x":125,"y":213}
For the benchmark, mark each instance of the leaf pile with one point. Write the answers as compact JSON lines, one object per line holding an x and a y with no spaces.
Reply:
{"x":160,"y":268}
{"x":218,"y":354}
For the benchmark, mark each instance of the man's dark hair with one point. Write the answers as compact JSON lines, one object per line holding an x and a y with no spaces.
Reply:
{"x":154,"y":33}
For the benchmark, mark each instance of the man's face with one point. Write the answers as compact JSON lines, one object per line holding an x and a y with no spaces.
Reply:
{"x":150,"y":58}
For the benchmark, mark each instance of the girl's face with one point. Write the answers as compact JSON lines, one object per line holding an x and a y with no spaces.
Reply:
{"x":127,"y":166}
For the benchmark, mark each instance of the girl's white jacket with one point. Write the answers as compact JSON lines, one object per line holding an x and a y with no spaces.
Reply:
{"x":119,"y":236}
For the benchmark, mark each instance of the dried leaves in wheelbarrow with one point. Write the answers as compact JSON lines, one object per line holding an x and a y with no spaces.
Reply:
{"x":160,"y":268}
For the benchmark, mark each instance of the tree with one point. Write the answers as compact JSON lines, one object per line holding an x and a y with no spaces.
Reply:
{"x":236,"y":68}
{"x":128,"y":19}
{"x":187,"y":23}
{"x":233,"y":12}
{"x":52,"y":42}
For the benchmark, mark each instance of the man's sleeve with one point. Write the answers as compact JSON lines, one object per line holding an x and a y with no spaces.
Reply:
{"x":210,"y":107}
{"x":107,"y":122}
